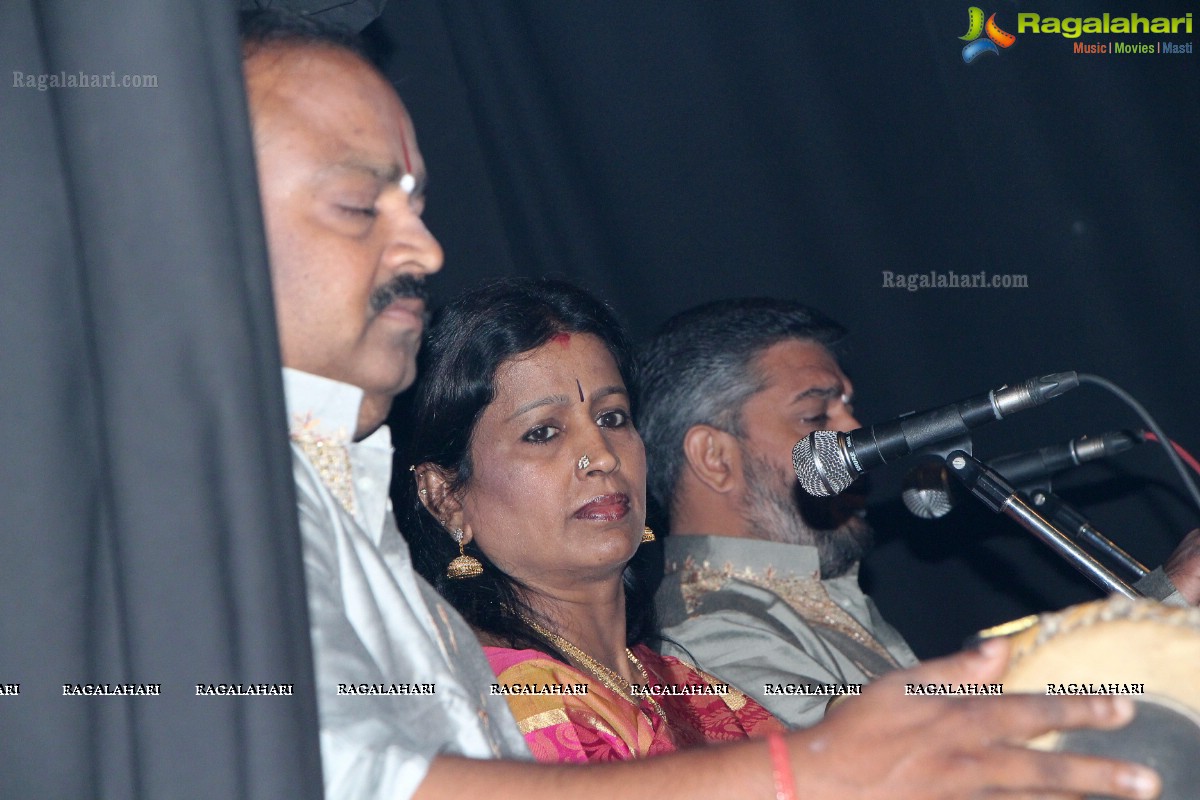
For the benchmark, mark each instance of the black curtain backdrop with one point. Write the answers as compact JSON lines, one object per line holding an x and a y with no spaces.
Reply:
{"x":670,"y":153}
{"x":148,"y":519}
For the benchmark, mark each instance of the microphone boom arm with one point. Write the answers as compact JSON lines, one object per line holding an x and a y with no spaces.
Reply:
{"x":1002,"y":498}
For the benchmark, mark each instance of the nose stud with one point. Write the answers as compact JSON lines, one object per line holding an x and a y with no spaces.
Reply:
{"x":584,"y":462}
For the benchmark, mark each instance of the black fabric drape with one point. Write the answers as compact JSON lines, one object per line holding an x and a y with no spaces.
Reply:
{"x":149,"y":531}
{"x":671,"y":153}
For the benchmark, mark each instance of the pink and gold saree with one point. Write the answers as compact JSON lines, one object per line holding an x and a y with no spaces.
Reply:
{"x":585,"y":721}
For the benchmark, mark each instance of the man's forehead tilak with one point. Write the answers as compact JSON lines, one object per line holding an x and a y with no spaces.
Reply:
{"x":408,"y":168}
{"x":824,"y":376}
{"x":267,"y":71}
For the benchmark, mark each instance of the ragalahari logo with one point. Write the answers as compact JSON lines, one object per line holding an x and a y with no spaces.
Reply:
{"x":976,"y":27}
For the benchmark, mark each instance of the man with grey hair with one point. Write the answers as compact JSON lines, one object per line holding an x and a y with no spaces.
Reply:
{"x":341,"y":181}
{"x":762,"y":585}
{"x":762,"y":579}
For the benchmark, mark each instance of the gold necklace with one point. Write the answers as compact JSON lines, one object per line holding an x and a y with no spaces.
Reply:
{"x":615,"y":683}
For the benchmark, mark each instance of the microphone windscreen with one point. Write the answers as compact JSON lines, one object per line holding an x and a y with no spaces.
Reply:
{"x":819,"y":465}
{"x":926,"y":491}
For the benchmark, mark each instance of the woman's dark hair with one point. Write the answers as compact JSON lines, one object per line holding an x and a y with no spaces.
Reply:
{"x":469,"y":340}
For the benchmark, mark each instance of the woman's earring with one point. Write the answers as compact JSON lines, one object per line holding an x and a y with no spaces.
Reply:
{"x":648,"y":535}
{"x":463,"y":565}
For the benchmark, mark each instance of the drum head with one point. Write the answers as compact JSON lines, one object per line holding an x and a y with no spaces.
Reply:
{"x":1142,"y":649}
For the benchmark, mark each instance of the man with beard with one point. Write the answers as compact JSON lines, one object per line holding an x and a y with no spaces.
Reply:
{"x":341,"y":181}
{"x":762,"y":580}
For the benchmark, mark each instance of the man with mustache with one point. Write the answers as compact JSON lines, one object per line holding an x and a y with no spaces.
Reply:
{"x":402,"y":685}
{"x":762,"y":580}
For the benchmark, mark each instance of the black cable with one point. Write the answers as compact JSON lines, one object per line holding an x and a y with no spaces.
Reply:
{"x":1150,"y":423}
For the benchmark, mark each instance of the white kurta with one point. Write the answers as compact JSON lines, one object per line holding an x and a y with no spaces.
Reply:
{"x":382,"y":637}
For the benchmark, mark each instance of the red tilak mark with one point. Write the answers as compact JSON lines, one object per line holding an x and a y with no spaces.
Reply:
{"x":407,"y":158}
{"x":561,"y":338}
{"x":580,"y":388}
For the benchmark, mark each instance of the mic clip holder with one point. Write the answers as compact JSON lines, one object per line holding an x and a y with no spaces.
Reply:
{"x":996,"y":493}
{"x":943,"y":449}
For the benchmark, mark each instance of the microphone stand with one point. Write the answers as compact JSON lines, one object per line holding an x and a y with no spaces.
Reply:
{"x":1002,"y":498}
{"x":1077,"y":526}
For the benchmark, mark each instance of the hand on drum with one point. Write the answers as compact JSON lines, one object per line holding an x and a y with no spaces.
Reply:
{"x":886,"y":744}
{"x":1183,"y":567}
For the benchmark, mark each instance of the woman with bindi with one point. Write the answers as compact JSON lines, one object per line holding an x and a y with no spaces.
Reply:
{"x":527,"y":513}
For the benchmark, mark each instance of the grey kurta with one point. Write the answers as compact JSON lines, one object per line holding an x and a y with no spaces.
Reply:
{"x":755,"y":613}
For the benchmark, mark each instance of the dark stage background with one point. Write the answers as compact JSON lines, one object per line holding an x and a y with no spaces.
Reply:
{"x":669,"y":153}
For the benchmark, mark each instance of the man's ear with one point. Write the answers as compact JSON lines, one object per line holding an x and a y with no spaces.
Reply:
{"x":713,"y":457}
{"x":434,"y":489}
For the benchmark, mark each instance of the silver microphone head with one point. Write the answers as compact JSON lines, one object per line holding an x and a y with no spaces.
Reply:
{"x":926,"y":492}
{"x":819,"y":465}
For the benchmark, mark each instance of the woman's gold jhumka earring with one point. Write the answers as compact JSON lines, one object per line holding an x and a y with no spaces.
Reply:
{"x":463,"y":565}
{"x":648,"y":535}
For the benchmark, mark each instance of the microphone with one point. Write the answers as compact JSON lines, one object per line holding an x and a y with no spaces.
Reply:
{"x":927,"y":494}
{"x":826,"y":462}
{"x":1033,"y":465}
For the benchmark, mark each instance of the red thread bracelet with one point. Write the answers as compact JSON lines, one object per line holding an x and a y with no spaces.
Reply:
{"x":781,"y":768}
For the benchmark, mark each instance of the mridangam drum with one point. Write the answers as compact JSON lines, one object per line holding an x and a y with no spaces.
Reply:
{"x":1138,"y":648}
